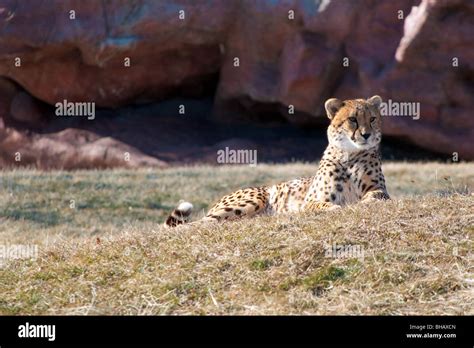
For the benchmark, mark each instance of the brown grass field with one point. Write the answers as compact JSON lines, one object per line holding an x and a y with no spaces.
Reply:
{"x":102,"y":249}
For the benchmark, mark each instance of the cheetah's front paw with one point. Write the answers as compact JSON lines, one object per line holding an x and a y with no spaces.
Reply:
{"x":334,"y":207}
{"x":377,"y":195}
{"x":318,"y":206}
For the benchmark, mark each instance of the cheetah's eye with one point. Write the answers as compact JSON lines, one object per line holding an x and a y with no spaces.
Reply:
{"x":372,"y":119}
{"x":353,"y":119}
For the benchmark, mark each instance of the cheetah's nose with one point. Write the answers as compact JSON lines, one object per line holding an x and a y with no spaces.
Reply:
{"x":366,"y":136}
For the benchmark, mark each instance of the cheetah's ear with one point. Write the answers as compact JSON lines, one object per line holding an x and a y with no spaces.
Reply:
{"x":375,"y":101}
{"x":332,"y":106}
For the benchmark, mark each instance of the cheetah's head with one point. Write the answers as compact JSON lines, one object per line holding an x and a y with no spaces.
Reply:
{"x":355,"y":124}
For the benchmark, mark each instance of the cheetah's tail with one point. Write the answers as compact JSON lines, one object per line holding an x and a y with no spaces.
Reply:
{"x":179,"y":215}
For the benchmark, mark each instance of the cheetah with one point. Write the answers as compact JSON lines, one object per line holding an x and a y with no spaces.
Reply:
{"x":350,"y":171}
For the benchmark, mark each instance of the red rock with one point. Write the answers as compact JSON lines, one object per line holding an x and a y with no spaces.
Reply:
{"x":435,"y":32}
{"x":70,"y":149}
{"x":8,"y":90}
{"x":282,"y":62}
{"x":26,"y":109}
{"x":82,"y":59}
{"x":310,"y":63}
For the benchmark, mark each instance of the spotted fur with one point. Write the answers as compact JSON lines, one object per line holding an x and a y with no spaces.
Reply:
{"x":349,"y":171}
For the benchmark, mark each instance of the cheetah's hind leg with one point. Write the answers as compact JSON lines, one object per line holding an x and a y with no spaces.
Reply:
{"x":242,"y":203}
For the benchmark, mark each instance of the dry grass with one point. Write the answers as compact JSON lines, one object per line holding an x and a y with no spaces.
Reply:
{"x":109,"y":254}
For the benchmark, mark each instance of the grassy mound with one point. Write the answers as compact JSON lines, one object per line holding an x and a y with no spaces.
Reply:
{"x":108,"y":254}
